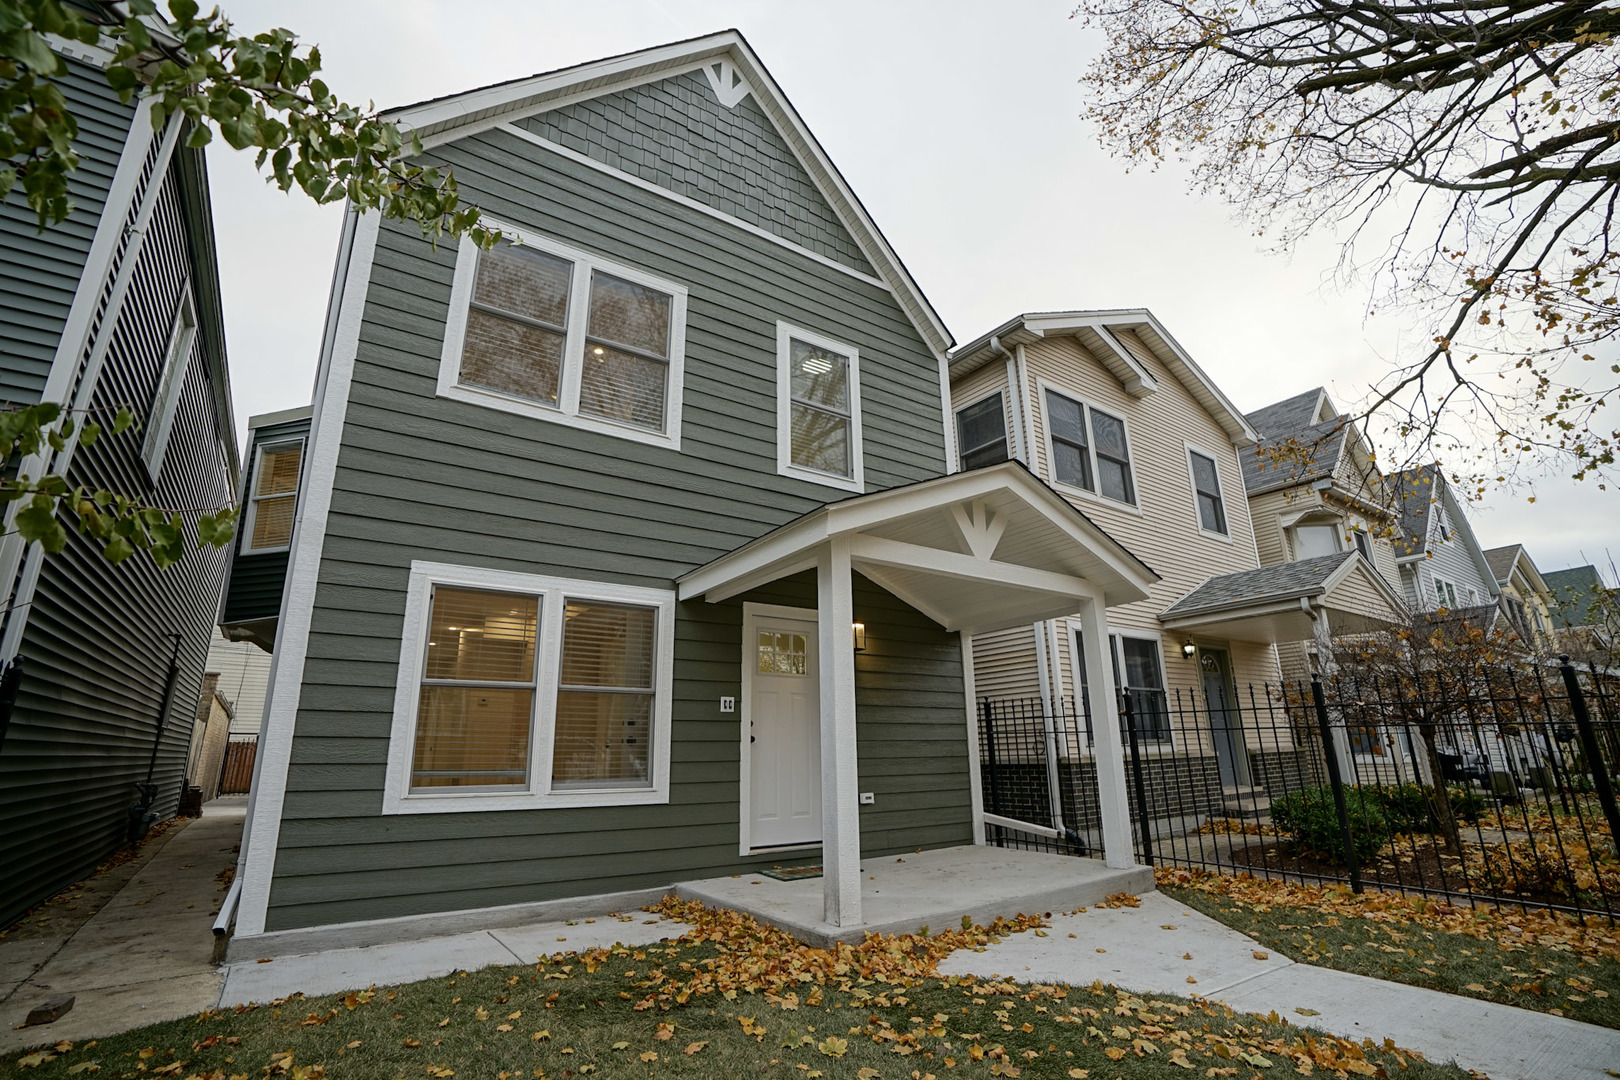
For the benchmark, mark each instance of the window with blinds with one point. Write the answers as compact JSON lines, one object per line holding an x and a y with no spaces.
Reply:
{"x":565,"y":335}
{"x":818,"y":409}
{"x":273,"y":497}
{"x":981,"y":433}
{"x":532,"y":689}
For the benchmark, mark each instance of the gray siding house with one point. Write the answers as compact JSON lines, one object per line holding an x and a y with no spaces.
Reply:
{"x":117,"y":306}
{"x":628,"y":551}
{"x":1442,"y":564}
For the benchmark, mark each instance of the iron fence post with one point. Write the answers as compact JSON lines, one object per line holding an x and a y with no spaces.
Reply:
{"x":1335,"y":781}
{"x":987,"y":718}
{"x":1594,"y":752}
{"x":1128,"y":716}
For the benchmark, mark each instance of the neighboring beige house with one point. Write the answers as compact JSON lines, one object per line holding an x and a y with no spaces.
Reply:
{"x":209,"y":734}
{"x":1110,"y":411}
{"x":244,"y":677}
{"x":1318,"y":502}
{"x":1525,"y":598}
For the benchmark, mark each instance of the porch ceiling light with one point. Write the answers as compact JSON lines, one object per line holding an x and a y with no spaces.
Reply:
{"x":859,"y":630}
{"x":1188,"y":648}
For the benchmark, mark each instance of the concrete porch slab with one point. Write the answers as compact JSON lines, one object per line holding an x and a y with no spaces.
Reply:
{"x":900,"y":894}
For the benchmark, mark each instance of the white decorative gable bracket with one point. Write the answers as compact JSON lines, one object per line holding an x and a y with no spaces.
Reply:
{"x":729,"y":85}
{"x":981,"y":531}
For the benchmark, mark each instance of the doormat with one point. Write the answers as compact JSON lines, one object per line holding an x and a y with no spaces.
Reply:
{"x":793,"y":873}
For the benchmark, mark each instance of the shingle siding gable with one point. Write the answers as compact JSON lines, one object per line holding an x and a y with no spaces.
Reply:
{"x":676,"y":134}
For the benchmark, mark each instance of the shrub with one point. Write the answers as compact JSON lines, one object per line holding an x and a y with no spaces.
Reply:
{"x":1309,"y":818}
{"x":1466,"y":803}
{"x":1405,"y":807}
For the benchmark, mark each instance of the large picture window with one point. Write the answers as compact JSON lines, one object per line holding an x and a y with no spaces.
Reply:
{"x":273,"y":497}
{"x":540,"y":328}
{"x":981,"y":433}
{"x":818,"y":409}
{"x":523,"y":691}
{"x":1089,"y":448}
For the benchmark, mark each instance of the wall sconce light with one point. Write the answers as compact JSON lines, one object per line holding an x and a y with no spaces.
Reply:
{"x":859,"y":630}
{"x":1188,"y":648}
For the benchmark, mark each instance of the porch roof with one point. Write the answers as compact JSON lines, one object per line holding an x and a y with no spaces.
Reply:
{"x":1280,"y":603}
{"x":974,"y":551}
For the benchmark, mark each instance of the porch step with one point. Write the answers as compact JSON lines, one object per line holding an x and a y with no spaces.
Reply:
{"x":1251,"y":803}
{"x":901,"y":894}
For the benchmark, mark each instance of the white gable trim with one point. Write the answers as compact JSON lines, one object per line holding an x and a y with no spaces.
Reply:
{"x":728,"y":84}
{"x":455,"y":116}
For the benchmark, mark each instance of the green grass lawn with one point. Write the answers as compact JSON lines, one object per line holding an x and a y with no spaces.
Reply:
{"x":728,"y":1000}
{"x":1547,"y":978}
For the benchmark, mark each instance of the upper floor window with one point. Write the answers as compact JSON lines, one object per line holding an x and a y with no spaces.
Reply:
{"x":1445,"y":592}
{"x":166,"y":400}
{"x":1363,"y":543}
{"x":519,"y":690}
{"x":1207,"y":491}
{"x":981,"y":432}
{"x":818,"y":409}
{"x":1089,"y":448}
{"x":273,"y":496}
{"x":1312,"y":541}
{"x":540,"y":328}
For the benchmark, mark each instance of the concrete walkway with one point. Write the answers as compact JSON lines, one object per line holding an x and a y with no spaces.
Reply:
{"x":1132,"y":949}
{"x":144,"y":956}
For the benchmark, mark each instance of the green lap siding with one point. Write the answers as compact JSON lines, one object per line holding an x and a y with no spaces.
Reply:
{"x":420,"y":477}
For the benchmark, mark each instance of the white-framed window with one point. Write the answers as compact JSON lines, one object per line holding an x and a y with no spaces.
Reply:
{"x":166,"y":399}
{"x":521,"y":691}
{"x":981,"y":432}
{"x":1315,"y":539}
{"x":818,"y":409}
{"x":1363,"y":543}
{"x":1445,"y":592}
{"x":1209,"y":504}
{"x":1089,"y":449}
{"x":543,"y":329}
{"x":1137,"y":664}
{"x":272,"y":496}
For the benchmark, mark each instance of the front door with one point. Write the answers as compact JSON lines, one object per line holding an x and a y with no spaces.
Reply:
{"x":784,"y":720}
{"x":1225,"y":721}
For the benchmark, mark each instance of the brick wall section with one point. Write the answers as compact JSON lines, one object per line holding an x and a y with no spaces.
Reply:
{"x":640,"y":131}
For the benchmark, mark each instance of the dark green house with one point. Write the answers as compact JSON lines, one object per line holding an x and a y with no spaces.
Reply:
{"x":117,"y":306}
{"x":630,"y":551}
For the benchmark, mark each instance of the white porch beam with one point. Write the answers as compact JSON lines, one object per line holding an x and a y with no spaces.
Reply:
{"x":1107,"y":745}
{"x":898,"y":553}
{"x":840,"y":783}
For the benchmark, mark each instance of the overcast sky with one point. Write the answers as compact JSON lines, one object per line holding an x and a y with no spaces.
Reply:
{"x":958,"y":125}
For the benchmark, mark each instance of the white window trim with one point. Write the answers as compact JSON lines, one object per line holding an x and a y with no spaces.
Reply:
{"x":856,"y":482}
{"x":1042,"y":386}
{"x":250,"y":501}
{"x":1318,"y":518}
{"x":177,"y":351}
{"x":1006,"y":424}
{"x":1220,"y":480}
{"x":1457,"y":591}
{"x":1149,"y":747}
{"x":573,"y":360}
{"x":397,"y":796}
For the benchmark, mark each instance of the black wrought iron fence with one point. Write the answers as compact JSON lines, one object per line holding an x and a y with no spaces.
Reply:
{"x":1493,"y":787}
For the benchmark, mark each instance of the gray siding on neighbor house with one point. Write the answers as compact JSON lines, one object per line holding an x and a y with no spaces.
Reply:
{"x":1452,"y":559}
{"x":253,"y":591}
{"x":39,"y":271}
{"x":676,"y":134}
{"x":338,"y":861}
{"x":94,"y":652}
{"x":422,"y":477}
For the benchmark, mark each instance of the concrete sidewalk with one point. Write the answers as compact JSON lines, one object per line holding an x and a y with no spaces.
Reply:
{"x":1130,"y":948}
{"x":144,"y":956}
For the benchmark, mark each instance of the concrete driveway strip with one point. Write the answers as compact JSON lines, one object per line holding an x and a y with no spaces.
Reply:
{"x":1133,"y":949}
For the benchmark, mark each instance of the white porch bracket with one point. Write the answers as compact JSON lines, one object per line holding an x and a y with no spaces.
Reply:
{"x":840,"y":784}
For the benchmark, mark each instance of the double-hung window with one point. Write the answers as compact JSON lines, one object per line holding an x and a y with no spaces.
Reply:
{"x":273,"y":496}
{"x":1313,"y":541}
{"x":1445,"y":593}
{"x":171,"y":381}
{"x":818,"y":409}
{"x":1137,"y":668}
{"x":523,"y":691}
{"x":1089,"y":448}
{"x":1363,"y":543}
{"x":981,"y":432}
{"x":1207,"y":493}
{"x":546,"y":330}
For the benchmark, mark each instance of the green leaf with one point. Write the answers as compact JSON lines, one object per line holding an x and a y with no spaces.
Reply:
{"x":117,"y":550}
{"x":122,"y":420}
{"x":201,"y":135}
{"x":37,"y":522}
{"x":216,"y":530}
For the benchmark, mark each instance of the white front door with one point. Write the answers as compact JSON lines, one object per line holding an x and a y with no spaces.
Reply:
{"x":784,"y":718}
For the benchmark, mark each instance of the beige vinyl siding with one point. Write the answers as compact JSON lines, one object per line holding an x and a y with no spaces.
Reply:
{"x":990,"y":379}
{"x":1004,"y":664}
{"x":244,"y":678}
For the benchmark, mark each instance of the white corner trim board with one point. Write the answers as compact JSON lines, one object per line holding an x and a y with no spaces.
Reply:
{"x":298,"y":599}
{"x":553,"y":594}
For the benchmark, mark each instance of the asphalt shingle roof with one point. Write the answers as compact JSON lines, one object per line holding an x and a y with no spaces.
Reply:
{"x":1287,"y":416}
{"x":1417,"y":490}
{"x":1297,"y":457}
{"x":1501,"y":560}
{"x":1281,"y":582}
{"x":1575,"y":593}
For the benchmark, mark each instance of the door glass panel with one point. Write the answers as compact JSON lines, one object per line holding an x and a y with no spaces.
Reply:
{"x":783,"y":653}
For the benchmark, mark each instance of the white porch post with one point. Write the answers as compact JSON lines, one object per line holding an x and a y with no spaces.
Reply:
{"x":840,"y":794}
{"x":1107,"y":748}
